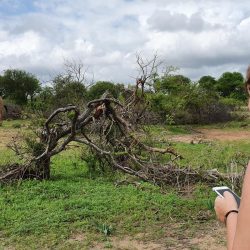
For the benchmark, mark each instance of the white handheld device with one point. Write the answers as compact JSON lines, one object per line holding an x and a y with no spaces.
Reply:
{"x":220,"y":191}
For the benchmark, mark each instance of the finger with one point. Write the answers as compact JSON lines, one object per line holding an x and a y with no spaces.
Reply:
{"x":217,"y":201}
{"x":228,"y":195}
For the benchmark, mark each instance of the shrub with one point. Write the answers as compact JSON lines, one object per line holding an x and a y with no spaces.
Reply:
{"x":232,"y":103}
{"x":16,"y":125}
{"x":194,"y":106}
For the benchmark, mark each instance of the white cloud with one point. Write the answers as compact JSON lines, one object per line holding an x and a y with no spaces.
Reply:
{"x":201,"y":37}
{"x":24,"y":44}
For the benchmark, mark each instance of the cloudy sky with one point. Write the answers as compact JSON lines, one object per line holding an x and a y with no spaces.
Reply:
{"x":200,"y":37}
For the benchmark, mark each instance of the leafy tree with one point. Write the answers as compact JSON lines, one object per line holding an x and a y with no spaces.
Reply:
{"x":166,"y":104}
{"x":45,"y":100}
{"x":172,"y":84}
{"x":68,"y":91}
{"x":207,"y":83}
{"x":19,"y":85}
{"x":96,"y":90}
{"x":231,"y":85}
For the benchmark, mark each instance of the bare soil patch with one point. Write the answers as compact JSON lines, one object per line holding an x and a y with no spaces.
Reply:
{"x":211,"y":135}
{"x":214,"y":239}
{"x":211,"y":237}
{"x":6,"y":136}
{"x":128,"y":243}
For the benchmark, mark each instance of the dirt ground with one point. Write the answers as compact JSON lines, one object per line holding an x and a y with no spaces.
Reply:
{"x":197,"y":136}
{"x":6,"y":136}
{"x":211,"y":135}
{"x":211,"y":237}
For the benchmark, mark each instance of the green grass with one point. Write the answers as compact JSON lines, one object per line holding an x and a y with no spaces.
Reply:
{"x":15,"y":124}
{"x":188,"y":129}
{"x":206,"y":155}
{"x":47,"y":213}
{"x":214,"y":155}
{"x":232,"y":125}
{"x":168,"y":130}
{"x":7,"y":156}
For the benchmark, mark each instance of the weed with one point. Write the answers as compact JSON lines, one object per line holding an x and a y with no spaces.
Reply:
{"x":105,"y":229}
{"x":16,"y":125}
{"x":210,"y":205}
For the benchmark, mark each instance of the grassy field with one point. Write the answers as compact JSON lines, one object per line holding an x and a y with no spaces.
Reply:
{"x":79,"y":209}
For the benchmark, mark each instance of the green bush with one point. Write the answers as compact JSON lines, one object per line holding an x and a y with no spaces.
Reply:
{"x":232,"y":102}
{"x":34,"y":146}
{"x":193,"y":106}
{"x":16,"y":125}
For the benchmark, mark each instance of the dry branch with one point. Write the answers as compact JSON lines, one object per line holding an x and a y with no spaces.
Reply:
{"x":113,"y":139}
{"x":106,"y":126}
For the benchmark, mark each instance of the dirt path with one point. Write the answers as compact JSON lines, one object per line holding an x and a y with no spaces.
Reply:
{"x":196,"y":137}
{"x":211,"y":237}
{"x":212,"y":134}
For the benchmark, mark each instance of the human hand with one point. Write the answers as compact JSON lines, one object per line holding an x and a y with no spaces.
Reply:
{"x":223,"y":205}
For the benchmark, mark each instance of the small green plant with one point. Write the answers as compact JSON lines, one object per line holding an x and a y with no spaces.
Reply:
{"x":36,"y":147}
{"x":16,"y":125}
{"x":210,"y":205}
{"x":105,"y":229}
{"x":95,"y":165}
{"x":169,"y":119}
{"x":71,"y":115}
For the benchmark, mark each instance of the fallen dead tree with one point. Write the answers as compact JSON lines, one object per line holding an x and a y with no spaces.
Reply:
{"x":108,"y":128}
{"x":103,"y":128}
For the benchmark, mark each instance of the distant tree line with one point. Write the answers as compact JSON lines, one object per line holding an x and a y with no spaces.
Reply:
{"x":208,"y":100}
{"x":173,"y":97}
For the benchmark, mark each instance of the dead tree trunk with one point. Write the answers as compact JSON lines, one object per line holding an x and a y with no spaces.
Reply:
{"x":110,"y":136}
{"x":106,"y":127}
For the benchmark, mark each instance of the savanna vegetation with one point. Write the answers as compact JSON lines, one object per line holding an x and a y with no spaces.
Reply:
{"x":95,"y":200}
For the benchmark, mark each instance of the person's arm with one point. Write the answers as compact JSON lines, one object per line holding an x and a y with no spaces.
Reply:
{"x":242,"y":235}
{"x":231,"y":229}
{"x":238,"y":226}
{"x":222,"y":206}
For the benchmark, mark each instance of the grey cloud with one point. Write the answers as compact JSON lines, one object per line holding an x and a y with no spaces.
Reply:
{"x":164,"y":20}
{"x":197,"y":60}
{"x":37,"y":22}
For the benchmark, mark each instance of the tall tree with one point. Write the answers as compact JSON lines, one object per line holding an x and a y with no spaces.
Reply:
{"x":231,"y":85}
{"x":207,"y":83}
{"x":172,"y":84}
{"x":96,"y":90}
{"x":68,"y":91}
{"x":19,"y":85}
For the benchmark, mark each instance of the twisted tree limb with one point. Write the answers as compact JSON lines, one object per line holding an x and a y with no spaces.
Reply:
{"x":107,"y":127}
